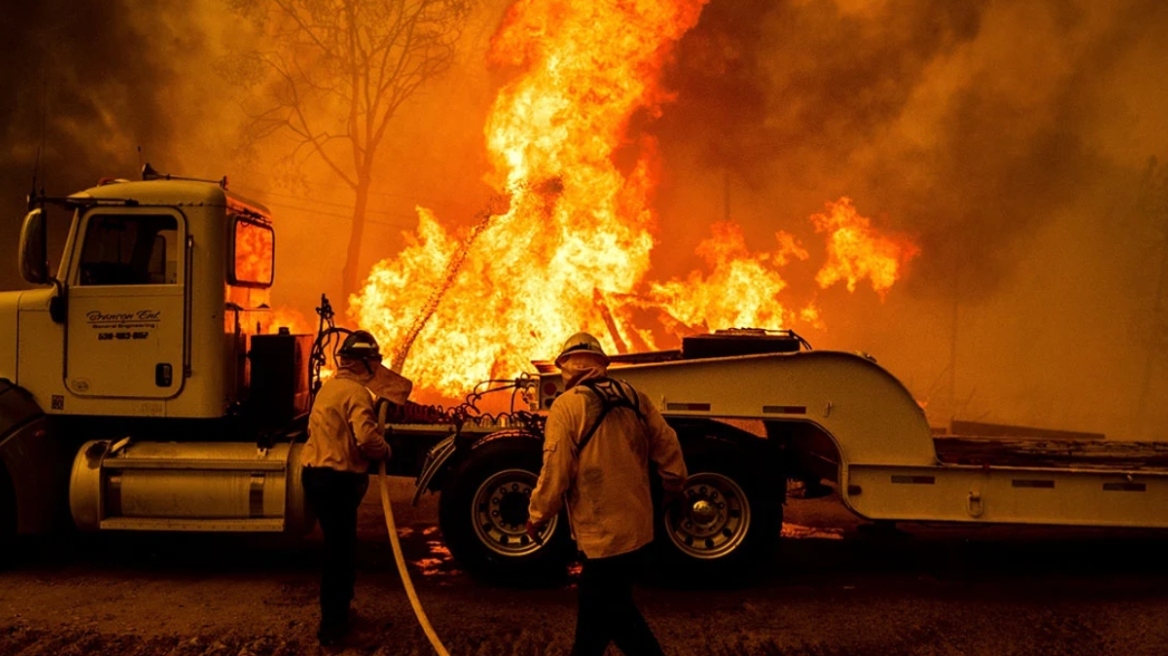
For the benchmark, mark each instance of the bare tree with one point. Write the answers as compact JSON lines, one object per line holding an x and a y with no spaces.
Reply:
{"x":339,"y":70}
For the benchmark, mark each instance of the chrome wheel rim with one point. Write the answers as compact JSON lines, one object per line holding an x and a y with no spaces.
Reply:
{"x":713,"y":518}
{"x":499,"y":513}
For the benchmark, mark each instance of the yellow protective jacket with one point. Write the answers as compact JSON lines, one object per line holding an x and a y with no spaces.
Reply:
{"x":342,"y":428}
{"x":606,"y":484}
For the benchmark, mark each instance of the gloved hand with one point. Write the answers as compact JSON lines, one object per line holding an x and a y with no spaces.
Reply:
{"x":533,"y":531}
{"x":375,"y":462}
{"x":671,"y":498}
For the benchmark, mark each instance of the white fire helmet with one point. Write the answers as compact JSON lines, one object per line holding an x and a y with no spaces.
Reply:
{"x":360,"y":345}
{"x":581,"y":343}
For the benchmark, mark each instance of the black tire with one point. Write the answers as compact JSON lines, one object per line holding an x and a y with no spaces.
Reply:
{"x":727,"y":523}
{"x":7,"y":518}
{"x":483,"y":511}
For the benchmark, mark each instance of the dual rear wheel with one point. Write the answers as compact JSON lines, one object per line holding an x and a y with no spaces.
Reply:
{"x":7,"y":515}
{"x":726,"y":520}
{"x":483,"y":515}
{"x":719,"y":526}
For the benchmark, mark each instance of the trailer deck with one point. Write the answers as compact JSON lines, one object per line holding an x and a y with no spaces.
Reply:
{"x":1028,"y":452}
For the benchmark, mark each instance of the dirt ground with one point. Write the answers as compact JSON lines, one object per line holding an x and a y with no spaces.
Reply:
{"x":832,"y":589}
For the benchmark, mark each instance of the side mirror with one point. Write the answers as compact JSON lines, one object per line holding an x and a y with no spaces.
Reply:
{"x":34,"y":257}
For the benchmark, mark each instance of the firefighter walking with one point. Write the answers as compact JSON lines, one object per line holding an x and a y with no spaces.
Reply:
{"x":342,"y":441}
{"x":602,"y":436}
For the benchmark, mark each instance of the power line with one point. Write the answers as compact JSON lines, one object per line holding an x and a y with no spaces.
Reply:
{"x":347,"y":206}
{"x":301,"y":208}
{"x":372,"y":193}
{"x":265,"y":192}
{"x":385,"y":194}
{"x":309,"y":210}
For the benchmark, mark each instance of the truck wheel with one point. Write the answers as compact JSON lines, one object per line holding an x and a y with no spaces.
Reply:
{"x":483,"y":513}
{"x":725,"y":521}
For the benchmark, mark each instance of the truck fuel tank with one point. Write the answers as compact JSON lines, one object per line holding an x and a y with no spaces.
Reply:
{"x":192,"y":486}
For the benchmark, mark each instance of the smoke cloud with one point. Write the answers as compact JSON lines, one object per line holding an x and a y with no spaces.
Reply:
{"x":95,"y":90}
{"x":1013,"y":142}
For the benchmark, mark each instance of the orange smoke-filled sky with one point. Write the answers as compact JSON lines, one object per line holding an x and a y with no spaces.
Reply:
{"x":1011,"y":141}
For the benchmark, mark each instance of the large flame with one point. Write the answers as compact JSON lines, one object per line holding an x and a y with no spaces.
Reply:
{"x":856,"y":251}
{"x":742,"y":290}
{"x":572,"y":249}
{"x":577,"y":234}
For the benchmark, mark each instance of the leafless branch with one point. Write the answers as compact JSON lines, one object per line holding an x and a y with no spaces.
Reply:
{"x":338,"y":72}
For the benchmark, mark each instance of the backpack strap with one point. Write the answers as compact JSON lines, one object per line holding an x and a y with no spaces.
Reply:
{"x":612,"y":395}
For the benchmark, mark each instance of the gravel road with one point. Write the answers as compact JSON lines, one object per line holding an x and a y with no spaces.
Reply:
{"x":832,"y":589}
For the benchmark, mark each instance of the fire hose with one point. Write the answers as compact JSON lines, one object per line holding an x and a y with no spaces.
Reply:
{"x":407,"y":583}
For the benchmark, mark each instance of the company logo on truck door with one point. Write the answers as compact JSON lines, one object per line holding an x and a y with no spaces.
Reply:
{"x":123,"y":325}
{"x":97,"y":317}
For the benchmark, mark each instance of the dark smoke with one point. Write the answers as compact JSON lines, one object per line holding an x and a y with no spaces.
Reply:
{"x":81,"y":83}
{"x":1011,"y":141}
{"x":772,"y":81}
{"x":810,"y":101}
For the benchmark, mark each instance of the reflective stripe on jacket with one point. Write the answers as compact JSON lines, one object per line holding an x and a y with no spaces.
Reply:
{"x":606,"y":485}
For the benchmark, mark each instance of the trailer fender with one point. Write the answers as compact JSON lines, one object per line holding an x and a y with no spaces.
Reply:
{"x":761,"y":450}
{"x":447,"y":453}
{"x":764,"y":456}
{"x":30,"y":463}
{"x":437,"y":460}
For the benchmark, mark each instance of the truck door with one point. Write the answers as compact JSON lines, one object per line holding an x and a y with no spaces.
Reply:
{"x":127,"y":303}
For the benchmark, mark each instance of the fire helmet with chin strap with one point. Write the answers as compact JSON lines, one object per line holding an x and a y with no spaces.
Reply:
{"x":360,"y":345}
{"x":581,"y":343}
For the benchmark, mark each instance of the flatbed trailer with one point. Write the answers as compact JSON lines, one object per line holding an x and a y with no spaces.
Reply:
{"x":1064,"y":482}
{"x":845,"y":410}
{"x":755,"y":415}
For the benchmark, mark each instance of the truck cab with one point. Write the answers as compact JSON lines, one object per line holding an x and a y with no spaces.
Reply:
{"x":138,"y":389}
{"x":157,"y":282}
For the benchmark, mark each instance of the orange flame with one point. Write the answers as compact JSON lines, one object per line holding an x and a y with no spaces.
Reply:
{"x":856,"y":251}
{"x":742,"y":290}
{"x":576,"y":237}
{"x":571,"y":252}
{"x":288,"y":318}
{"x":253,"y":252}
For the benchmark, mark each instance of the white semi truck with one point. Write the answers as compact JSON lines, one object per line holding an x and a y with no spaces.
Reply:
{"x":139,"y":391}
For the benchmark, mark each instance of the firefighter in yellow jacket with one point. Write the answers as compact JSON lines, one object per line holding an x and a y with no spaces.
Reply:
{"x":342,"y":440}
{"x":602,"y":435}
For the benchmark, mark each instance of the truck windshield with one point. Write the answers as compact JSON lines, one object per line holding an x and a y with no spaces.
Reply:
{"x":134,"y":249}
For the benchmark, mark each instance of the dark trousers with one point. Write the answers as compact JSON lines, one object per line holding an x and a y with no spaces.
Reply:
{"x":606,"y":610}
{"x":334,"y":497}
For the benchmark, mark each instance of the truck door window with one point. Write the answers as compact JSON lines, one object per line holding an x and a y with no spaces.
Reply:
{"x":254,"y":249}
{"x":137,"y":249}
